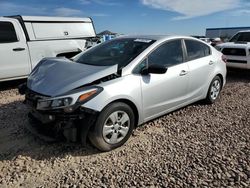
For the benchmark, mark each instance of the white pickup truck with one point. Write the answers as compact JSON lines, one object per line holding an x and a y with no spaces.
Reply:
{"x":25,"y":40}
{"x":237,"y":50}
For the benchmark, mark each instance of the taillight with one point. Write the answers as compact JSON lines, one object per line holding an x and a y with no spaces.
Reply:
{"x":224,"y":58}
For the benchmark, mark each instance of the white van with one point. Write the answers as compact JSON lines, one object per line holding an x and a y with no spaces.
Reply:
{"x":25,"y":40}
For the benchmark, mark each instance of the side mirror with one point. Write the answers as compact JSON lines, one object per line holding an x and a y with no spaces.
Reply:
{"x":154,"y":69}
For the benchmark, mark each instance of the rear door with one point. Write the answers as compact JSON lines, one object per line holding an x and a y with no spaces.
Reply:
{"x":13,"y":50}
{"x":201,"y":65}
{"x":163,"y":92}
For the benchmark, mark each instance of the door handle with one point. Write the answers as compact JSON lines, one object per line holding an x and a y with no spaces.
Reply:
{"x":183,"y":72}
{"x":211,"y":62}
{"x":18,"y":49}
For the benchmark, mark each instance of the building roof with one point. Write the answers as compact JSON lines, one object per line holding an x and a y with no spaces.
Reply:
{"x":226,"y":28}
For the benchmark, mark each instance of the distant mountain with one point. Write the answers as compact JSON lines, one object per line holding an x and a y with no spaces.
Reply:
{"x":106,"y":32}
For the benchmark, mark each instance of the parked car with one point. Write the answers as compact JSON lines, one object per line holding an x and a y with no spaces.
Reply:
{"x":25,"y":40}
{"x":237,"y":50}
{"x":108,"y":90}
{"x":216,"y":41}
{"x":207,"y":40}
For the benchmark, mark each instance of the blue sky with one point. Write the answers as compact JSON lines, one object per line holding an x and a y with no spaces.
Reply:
{"x":186,"y":17}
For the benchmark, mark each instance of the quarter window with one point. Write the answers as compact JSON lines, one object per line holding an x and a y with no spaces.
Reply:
{"x":168,"y":54}
{"x":196,"y":49}
{"x":7,"y":32}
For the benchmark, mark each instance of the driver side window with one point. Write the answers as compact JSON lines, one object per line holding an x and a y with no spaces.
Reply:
{"x":168,"y":54}
{"x":7,"y":33}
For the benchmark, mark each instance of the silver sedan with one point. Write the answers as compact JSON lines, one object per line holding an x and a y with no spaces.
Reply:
{"x":108,"y":90}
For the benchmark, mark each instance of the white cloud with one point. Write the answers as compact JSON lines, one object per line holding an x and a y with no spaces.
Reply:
{"x":7,"y":9}
{"x":242,"y":12}
{"x":194,"y":8}
{"x":62,"y":11}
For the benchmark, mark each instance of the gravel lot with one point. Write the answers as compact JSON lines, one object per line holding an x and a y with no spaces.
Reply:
{"x":197,"y":146}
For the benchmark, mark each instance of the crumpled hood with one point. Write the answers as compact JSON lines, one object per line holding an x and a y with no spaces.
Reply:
{"x":55,"y":76}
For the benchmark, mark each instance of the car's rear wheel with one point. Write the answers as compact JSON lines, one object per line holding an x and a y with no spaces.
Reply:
{"x":214,"y":90}
{"x":113,"y":127}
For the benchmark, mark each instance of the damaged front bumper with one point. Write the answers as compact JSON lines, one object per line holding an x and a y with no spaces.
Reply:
{"x":51,"y":125}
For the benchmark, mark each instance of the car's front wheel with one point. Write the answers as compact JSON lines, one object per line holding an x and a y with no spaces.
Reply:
{"x":113,"y":127}
{"x":214,"y":90}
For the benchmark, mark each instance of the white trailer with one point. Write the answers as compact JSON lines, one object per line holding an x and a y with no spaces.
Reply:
{"x":25,"y":40}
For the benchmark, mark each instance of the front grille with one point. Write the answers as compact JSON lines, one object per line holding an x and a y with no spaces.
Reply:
{"x":32,"y":97}
{"x":234,"y":51}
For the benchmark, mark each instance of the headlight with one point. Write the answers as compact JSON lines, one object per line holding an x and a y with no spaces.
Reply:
{"x":67,"y":101}
{"x":54,"y":103}
{"x":61,"y":102}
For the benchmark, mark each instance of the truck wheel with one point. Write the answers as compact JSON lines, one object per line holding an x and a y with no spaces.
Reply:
{"x":113,"y":127}
{"x":214,"y":90}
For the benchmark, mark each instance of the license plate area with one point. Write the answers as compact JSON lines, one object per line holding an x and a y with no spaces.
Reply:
{"x":31,"y":103}
{"x":44,"y":118}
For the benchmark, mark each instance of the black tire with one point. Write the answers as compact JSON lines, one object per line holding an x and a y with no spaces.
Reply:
{"x":96,"y":134}
{"x":212,"y":96}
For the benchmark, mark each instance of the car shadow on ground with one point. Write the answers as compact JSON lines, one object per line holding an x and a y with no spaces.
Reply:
{"x":11,"y":84}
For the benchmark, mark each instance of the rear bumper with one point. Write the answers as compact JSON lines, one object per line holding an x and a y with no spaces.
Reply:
{"x":238,"y":65}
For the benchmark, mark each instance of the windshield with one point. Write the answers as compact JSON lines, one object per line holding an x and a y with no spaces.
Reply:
{"x":241,"y":37}
{"x":117,"y":51}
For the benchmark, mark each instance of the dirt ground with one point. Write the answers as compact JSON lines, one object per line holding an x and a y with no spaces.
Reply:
{"x":197,"y":146}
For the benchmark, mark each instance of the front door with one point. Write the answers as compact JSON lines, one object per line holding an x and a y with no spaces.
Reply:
{"x":14,"y":53}
{"x":162,"y":93}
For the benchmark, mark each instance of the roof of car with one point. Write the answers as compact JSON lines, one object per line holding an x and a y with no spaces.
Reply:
{"x":154,"y":37}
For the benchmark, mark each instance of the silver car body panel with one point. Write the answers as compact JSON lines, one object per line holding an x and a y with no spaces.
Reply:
{"x":58,"y":76}
{"x":124,"y":88}
{"x":153,"y":95}
{"x":158,"y":94}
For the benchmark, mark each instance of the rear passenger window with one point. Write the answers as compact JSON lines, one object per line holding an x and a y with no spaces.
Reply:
{"x":168,"y":54}
{"x":196,"y":49}
{"x":7,"y":32}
